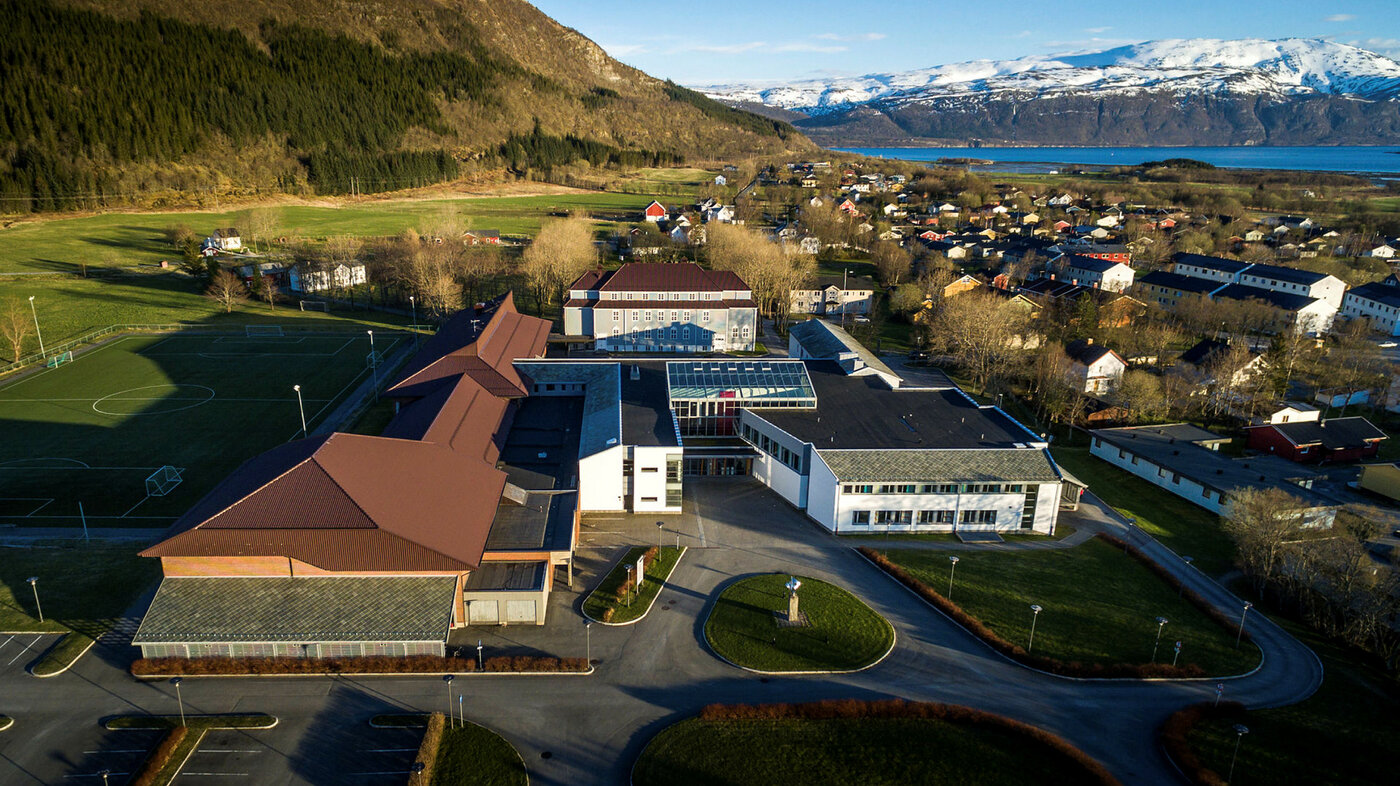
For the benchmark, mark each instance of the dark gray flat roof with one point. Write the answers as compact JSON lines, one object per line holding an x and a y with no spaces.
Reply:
{"x":310,"y":609}
{"x":506,"y":576}
{"x":646,"y":406}
{"x":862,"y":413}
{"x":543,"y":522}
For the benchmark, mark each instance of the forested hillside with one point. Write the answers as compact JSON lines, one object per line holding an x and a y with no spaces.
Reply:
{"x":107,"y":103}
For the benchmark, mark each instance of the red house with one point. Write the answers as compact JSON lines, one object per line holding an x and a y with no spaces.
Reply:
{"x":1326,"y":441}
{"x":655,"y":212}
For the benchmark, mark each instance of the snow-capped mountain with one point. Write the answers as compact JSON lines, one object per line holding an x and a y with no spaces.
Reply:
{"x":1175,"y":92}
{"x":1288,"y":67}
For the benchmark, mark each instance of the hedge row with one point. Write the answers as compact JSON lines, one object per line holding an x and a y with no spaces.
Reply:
{"x":428,"y":748}
{"x":159,"y":757}
{"x":1175,"y":735}
{"x":1172,"y":581}
{"x":413,"y":664}
{"x":850,"y":709}
{"x":1017,"y":652}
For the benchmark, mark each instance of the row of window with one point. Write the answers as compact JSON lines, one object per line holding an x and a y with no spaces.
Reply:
{"x":1162,"y":472}
{"x":606,"y":296}
{"x":658,"y":334}
{"x":933,"y":488}
{"x":863,"y":517}
{"x":772,"y":447}
{"x":676,"y":316}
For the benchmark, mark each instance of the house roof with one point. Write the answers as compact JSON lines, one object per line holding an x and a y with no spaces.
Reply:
{"x":347,"y":502}
{"x":1015,"y":465}
{"x":1334,"y":434}
{"x":1287,"y":301}
{"x":660,"y":277}
{"x":298,"y":610}
{"x":1091,"y":264}
{"x":1289,"y":274}
{"x":1230,"y":266}
{"x":1088,"y":353}
{"x":480,"y":343}
{"x":1162,"y":278}
{"x":821,"y":339}
{"x":1204,"y":352}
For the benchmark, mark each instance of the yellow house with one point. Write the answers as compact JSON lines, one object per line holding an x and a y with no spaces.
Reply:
{"x":1382,"y":479}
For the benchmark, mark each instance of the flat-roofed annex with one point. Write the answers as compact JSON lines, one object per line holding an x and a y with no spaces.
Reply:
{"x":747,"y":382}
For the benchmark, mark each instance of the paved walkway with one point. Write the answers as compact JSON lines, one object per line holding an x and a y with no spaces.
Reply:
{"x":590,"y":729}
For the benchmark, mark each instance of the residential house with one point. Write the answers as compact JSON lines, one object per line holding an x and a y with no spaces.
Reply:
{"x":835,"y":295}
{"x":1378,"y":302}
{"x":477,"y":237}
{"x":1383,"y":251}
{"x":654,"y":212}
{"x":1318,"y":441}
{"x":1381,"y":479}
{"x":1201,"y":365}
{"x":228,"y":239}
{"x":721,"y":180}
{"x":304,"y":278}
{"x":1289,"y":412}
{"x":1094,"y":368}
{"x":1094,"y":272}
{"x":1167,"y":290}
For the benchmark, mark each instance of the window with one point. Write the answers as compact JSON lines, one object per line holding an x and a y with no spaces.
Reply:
{"x":935,"y":517}
{"x":898,"y":489}
{"x":858,"y":488}
{"x":635,"y":316}
{"x":650,"y":469}
{"x":894,"y":516}
{"x":979,"y":517}
{"x":860,"y":517}
{"x":648,"y":499}
{"x":705,"y":315}
{"x":1015,"y":488}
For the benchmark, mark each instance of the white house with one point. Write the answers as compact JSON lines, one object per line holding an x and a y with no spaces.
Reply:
{"x":303,"y":279}
{"x":225,"y":240}
{"x":1094,"y":368}
{"x":1097,"y":273}
{"x":1383,"y":251}
{"x":834,"y":295}
{"x":721,"y":180}
{"x":1378,"y":302}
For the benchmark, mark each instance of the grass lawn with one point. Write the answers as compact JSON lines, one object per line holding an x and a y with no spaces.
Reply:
{"x":476,"y":755}
{"x":604,"y":596}
{"x":843,"y":633}
{"x":130,"y":239}
{"x":1100,"y":606}
{"x":69,"y":307}
{"x":1338,"y":737}
{"x":93,"y":430}
{"x":1062,"y":531}
{"x":1183,"y":527}
{"x":868,"y":752}
{"x":80,"y":587}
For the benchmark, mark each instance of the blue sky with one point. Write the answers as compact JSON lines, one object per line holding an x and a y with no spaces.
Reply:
{"x":768,"y":40}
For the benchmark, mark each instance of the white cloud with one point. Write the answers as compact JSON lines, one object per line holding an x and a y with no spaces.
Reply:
{"x":1340,"y":18}
{"x":1390,"y":47}
{"x":856,"y":37}
{"x":722,"y":49}
{"x":1097,"y":30}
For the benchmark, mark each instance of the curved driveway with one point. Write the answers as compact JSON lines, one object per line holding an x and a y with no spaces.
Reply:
{"x":656,"y":672}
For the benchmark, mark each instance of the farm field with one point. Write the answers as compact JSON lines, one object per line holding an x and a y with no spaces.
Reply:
{"x":135,"y":239}
{"x":92,"y":431}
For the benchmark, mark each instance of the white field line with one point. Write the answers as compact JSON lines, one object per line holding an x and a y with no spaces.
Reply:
{"x":134,"y":507}
{"x":98,"y":775}
{"x":314,"y":419}
{"x":41,"y":507}
{"x":119,"y":397}
{"x":85,"y":355}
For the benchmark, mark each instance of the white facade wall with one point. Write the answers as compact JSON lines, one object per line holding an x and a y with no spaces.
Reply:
{"x":1207,"y":273}
{"x":649,"y":478}
{"x":790,"y":485}
{"x":1385,"y":319}
{"x":848,"y":301}
{"x":600,"y":481}
{"x":1008,"y":507}
{"x":822,"y":492}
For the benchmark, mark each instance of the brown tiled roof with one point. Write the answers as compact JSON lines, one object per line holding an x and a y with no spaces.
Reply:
{"x":676,"y":304}
{"x":484,"y":351}
{"x":660,"y":277}
{"x":353,"y":503}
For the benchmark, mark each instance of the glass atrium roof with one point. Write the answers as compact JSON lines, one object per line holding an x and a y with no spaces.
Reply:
{"x":755,"y":381}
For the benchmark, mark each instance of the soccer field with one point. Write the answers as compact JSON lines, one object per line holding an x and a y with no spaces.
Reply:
{"x":94,"y":430}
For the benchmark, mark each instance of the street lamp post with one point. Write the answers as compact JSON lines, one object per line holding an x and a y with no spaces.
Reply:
{"x":628,"y":586}
{"x":1181,"y":586}
{"x":1240,"y":633}
{"x":179,"y":699}
{"x":373,"y":365}
{"x":1240,"y":731}
{"x":301,"y":407}
{"x":34,"y":585}
{"x":660,"y":525}
{"x":588,"y":642}
{"x":447,"y":678}
{"x":413,"y":309}
{"x":952,"y":569}
{"x":1035,"y":615}
{"x":1176,"y":652}
{"x":104,"y":774}
{"x":480,"y":664}
{"x":461,"y":710}
{"x":418,"y":768}
{"x":37,"y":331}
{"x":1161,"y":623}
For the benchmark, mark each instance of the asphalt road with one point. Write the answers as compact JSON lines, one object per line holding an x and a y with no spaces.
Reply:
{"x":590,"y":729}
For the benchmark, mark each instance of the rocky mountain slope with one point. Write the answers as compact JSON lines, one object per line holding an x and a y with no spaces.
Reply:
{"x":1174,"y":92}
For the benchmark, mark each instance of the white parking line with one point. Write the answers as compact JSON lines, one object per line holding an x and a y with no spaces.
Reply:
{"x":25,"y":649}
{"x":133,"y":750}
{"x":230,"y":750}
{"x":98,"y":775}
{"x":214,"y":773}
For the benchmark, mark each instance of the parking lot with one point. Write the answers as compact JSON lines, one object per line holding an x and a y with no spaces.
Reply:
{"x":120,"y":753}
{"x":18,"y":649}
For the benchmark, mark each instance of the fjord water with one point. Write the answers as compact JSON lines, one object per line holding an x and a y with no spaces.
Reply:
{"x":1378,"y":160}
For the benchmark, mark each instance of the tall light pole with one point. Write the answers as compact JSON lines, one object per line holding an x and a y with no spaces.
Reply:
{"x":451,"y":719}
{"x":37,"y":331}
{"x":462,"y":710}
{"x":1035,"y":615}
{"x":104,"y":774}
{"x":1181,"y":586}
{"x":1240,"y":633}
{"x":1161,"y":623}
{"x":480,"y":662}
{"x":588,"y":642}
{"x":413,"y":309}
{"x":659,"y":529}
{"x":301,"y":407}
{"x":952,"y":569}
{"x":1240,"y":731}
{"x":179,"y":698}
{"x":628,"y":585}
{"x":34,"y":585}
{"x":373,"y":364}
{"x":1176,"y":652}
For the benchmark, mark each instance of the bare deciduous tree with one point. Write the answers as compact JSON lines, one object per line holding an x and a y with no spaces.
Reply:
{"x":226,"y":288}
{"x":259,"y":225}
{"x":892,"y":263}
{"x":984,"y":334}
{"x":769,"y":271}
{"x":560,"y":253}
{"x":16,"y":324}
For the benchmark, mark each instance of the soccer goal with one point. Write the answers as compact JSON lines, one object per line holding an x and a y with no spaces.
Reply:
{"x":374,"y":359}
{"x":60,"y":359}
{"x":315,"y":305}
{"x":263,"y":331}
{"x":163,"y":481}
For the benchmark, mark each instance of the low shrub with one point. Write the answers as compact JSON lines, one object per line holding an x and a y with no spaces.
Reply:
{"x":1175,"y":737}
{"x":850,"y":709}
{"x":1172,"y":581}
{"x":413,"y":664}
{"x":1017,"y":652}
{"x":428,"y":748}
{"x":159,"y":757}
